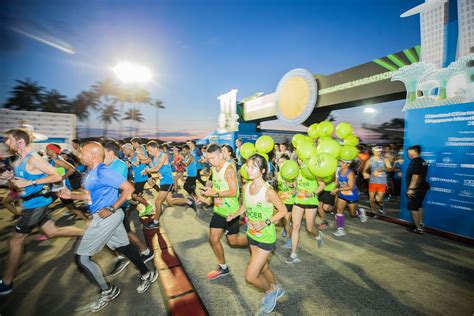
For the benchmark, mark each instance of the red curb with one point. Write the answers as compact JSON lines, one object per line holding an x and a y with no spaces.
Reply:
{"x":186,"y":305}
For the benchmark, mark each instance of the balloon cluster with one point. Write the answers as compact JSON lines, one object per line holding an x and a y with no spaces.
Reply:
{"x":319,"y":151}
{"x":263,"y":146}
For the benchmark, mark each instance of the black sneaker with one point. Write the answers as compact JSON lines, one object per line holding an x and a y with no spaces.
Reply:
{"x":152,"y":225}
{"x":5,"y":289}
{"x":119,"y":266}
{"x":381,"y":210}
{"x":192,"y":204}
{"x":105,"y":298}
{"x":150,"y":256}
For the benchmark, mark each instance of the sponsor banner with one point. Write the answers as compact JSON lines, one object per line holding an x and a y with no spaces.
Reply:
{"x":446,"y":135}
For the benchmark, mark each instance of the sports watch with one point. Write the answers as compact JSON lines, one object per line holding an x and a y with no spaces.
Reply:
{"x":268,"y":222}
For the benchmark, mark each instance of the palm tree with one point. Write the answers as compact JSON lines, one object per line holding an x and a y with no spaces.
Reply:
{"x":158,"y":104}
{"x":26,"y":95}
{"x":134,"y":114}
{"x":82,"y":104}
{"x":109,"y":114}
{"x":53,"y":101}
{"x":121,"y":96}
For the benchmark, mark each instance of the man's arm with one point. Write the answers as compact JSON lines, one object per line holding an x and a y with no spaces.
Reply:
{"x":43,"y":166}
{"x":66,"y":165}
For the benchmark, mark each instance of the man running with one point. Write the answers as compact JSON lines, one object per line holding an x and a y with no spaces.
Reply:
{"x":103,"y":185}
{"x":226,"y":201}
{"x":138,"y":162}
{"x":377,"y":179}
{"x":111,"y":150}
{"x":31,"y":174}
{"x":160,"y":163}
{"x":197,"y":157}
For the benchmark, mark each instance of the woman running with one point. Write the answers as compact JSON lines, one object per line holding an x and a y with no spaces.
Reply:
{"x":259,"y":201}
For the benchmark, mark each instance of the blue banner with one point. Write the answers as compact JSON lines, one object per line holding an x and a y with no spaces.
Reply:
{"x":446,"y":135}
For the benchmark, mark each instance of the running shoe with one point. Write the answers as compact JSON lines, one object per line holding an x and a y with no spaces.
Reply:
{"x":152,"y":225}
{"x":119,"y":266}
{"x":292,"y":260}
{"x":381,"y":210}
{"x":269,"y":302}
{"x":219,"y":272}
{"x":287,"y":244}
{"x":422,"y":225}
{"x":283,"y":233}
{"x":323,"y":225}
{"x":192,"y":204}
{"x":149,"y":257}
{"x":4,"y":288}
{"x":415,"y":230}
{"x":362,"y":215}
{"x":105,"y":298}
{"x":339,"y":232}
{"x":146,"y":280}
{"x":319,"y":239}
{"x":280,"y":291}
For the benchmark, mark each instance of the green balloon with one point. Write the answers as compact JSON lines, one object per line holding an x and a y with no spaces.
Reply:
{"x":343,"y":130}
{"x":313,"y":130}
{"x":329,"y":146}
{"x":264,"y":156}
{"x":306,"y":150}
{"x":61,"y":171}
{"x":264,"y":144}
{"x":348,"y":152}
{"x":351,"y":140}
{"x":295,"y":141}
{"x":247,"y":150}
{"x":325,"y":128}
{"x":328,"y":179}
{"x":309,"y":140}
{"x":322,"y":165}
{"x":289,"y":170}
{"x":243,"y":171}
{"x":306,"y":172}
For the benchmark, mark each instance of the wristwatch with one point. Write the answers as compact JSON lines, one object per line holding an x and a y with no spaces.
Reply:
{"x":111,"y":208}
{"x":268,"y":222}
{"x":217,"y":195}
{"x":33,"y":182}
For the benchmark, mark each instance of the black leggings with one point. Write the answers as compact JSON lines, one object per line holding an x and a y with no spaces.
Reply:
{"x":199,"y":177}
{"x":190,"y":185}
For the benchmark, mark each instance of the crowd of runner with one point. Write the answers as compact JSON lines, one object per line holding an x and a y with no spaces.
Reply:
{"x":103,"y":183}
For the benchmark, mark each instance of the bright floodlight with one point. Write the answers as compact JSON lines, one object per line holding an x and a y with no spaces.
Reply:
{"x":369,"y":110}
{"x":132,"y":73}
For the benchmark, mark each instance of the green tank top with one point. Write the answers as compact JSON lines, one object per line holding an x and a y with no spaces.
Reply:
{"x":330,"y":186}
{"x":286,"y":190}
{"x":223,"y":206}
{"x":304,"y":186}
{"x":258,"y":209}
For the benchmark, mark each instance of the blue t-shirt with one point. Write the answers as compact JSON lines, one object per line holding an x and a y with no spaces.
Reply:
{"x":197,"y":155}
{"x":103,"y":183}
{"x":120,"y":167}
{"x":137,"y":170}
{"x":191,"y":169}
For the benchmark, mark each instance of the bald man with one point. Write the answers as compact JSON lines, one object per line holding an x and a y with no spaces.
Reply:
{"x":107,"y":190}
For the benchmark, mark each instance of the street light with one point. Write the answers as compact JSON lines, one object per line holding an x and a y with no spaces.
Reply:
{"x":131,"y":73}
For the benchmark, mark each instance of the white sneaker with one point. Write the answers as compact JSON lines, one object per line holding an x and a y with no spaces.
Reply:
{"x":105,"y":298}
{"x":146,"y":281}
{"x":362,"y":215}
{"x":319,"y":239}
{"x":292,"y":260}
{"x":339,"y":232}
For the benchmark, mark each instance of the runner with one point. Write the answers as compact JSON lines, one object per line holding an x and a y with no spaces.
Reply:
{"x":112,"y":150}
{"x":160,"y":163}
{"x":225,"y":193}
{"x":198,"y":158}
{"x":138,"y":162}
{"x":238,"y":144}
{"x":31,"y":174}
{"x":377,"y":179}
{"x":286,"y":192}
{"x":103,"y":186}
{"x":191,"y":172}
{"x":347,"y":193}
{"x":72,"y":178}
{"x":306,"y":203}
{"x":259,"y":201}
{"x":178,"y":163}
{"x":326,"y":200}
